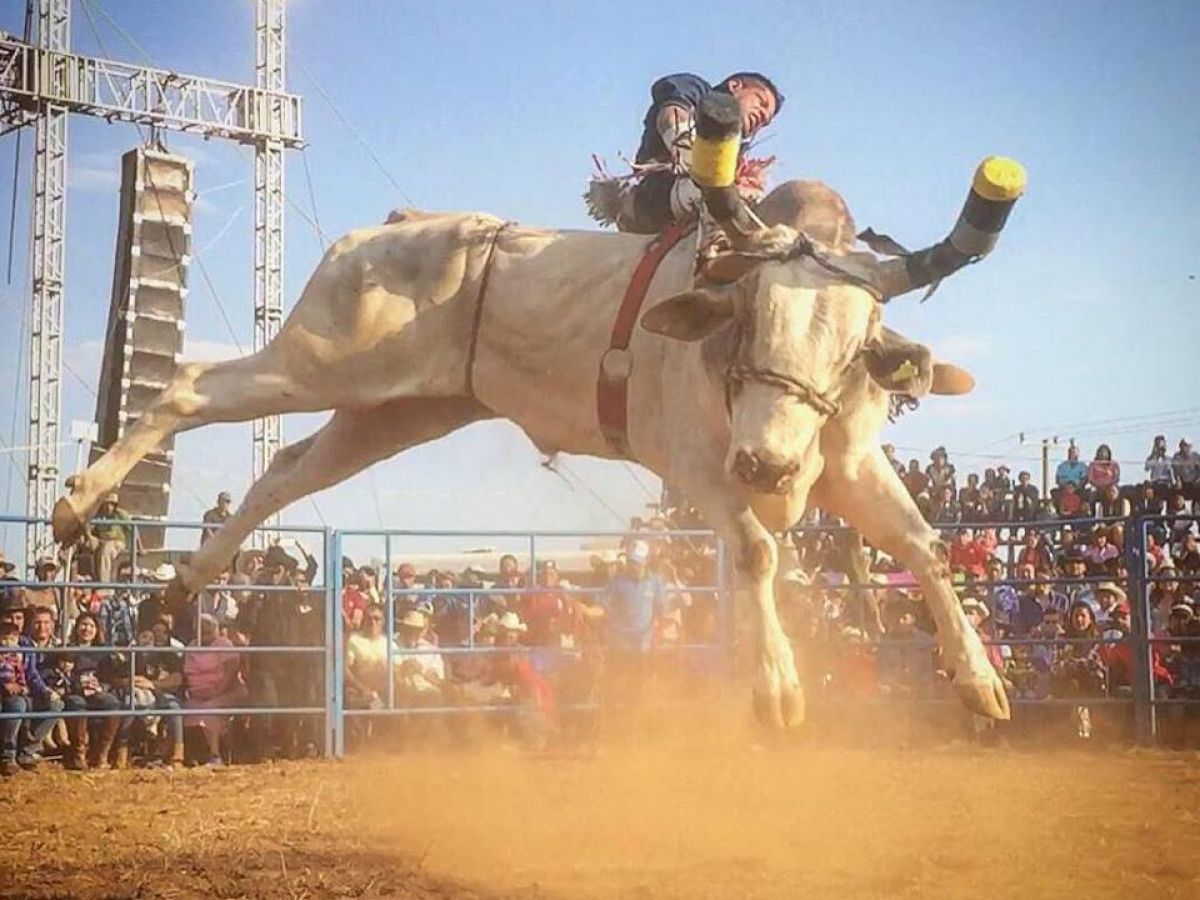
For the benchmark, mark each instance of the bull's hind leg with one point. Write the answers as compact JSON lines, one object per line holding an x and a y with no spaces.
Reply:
{"x":874,"y":500}
{"x":199,"y":393}
{"x":349,"y":442}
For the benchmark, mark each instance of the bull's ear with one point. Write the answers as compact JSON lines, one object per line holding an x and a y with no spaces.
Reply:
{"x":691,"y":315}
{"x":951,"y":379}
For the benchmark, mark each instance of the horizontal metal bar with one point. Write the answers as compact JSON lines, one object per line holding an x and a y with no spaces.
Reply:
{"x":160,"y":523}
{"x":147,"y":95}
{"x":455,"y":533}
{"x":453,"y":710}
{"x":494,"y":592}
{"x":137,"y":650}
{"x":152,"y":586}
{"x":141,"y":713}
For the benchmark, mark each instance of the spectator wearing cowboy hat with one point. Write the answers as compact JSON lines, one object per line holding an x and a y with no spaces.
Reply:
{"x":1109,"y":597}
{"x":421,"y":672}
{"x":154,"y":604}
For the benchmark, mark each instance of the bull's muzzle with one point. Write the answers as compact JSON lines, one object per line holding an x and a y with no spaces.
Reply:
{"x":762,"y":475}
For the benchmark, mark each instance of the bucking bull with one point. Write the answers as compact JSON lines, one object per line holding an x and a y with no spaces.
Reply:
{"x":758,"y":387}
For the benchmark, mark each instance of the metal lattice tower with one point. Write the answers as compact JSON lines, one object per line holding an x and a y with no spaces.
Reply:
{"x":268,"y":220}
{"x":40,"y":84}
{"x":49,"y":234}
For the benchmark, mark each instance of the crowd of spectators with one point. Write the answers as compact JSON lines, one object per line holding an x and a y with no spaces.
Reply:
{"x":113,"y":642}
{"x":538,"y":645}
{"x":532,"y":645}
{"x":1027,"y":569}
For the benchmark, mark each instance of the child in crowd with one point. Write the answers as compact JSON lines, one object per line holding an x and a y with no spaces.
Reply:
{"x":14,"y":693}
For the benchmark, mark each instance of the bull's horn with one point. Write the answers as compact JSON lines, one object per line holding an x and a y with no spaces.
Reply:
{"x":714,"y":165}
{"x":998,"y":183}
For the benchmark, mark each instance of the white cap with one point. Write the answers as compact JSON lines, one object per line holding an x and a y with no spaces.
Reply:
{"x":639,"y":552}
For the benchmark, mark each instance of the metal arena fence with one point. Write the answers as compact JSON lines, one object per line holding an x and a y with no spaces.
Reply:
{"x":1143,"y":694}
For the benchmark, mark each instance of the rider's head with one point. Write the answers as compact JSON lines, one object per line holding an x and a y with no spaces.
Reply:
{"x":758,"y":97}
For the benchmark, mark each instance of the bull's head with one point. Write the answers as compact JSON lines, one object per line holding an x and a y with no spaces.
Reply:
{"x":790,"y":350}
{"x":793,"y":354}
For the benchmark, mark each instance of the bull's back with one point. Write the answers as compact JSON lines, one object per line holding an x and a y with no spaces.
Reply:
{"x":547,"y":321}
{"x":388,"y":311}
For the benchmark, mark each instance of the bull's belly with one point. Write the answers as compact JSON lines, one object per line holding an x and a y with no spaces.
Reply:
{"x":557,"y":414}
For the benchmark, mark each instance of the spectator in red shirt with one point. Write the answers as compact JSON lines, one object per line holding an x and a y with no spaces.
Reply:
{"x":354,"y":601}
{"x":546,"y":608}
{"x":968,"y":553}
{"x":1103,"y":471}
{"x":1069,"y":502}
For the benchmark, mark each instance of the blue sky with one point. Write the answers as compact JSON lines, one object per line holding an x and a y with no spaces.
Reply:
{"x":1083,"y":323}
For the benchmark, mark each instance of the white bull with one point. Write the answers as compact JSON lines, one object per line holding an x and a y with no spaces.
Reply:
{"x":413,"y":329}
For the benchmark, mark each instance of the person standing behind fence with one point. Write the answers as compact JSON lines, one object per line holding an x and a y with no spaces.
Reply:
{"x":46,"y":569}
{"x":1158,"y":468}
{"x":632,"y":601}
{"x":14,"y":694}
{"x":217,"y":516}
{"x":212,"y":680}
{"x":1025,"y":499}
{"x":1186,"y":464}
{"x":108,"y":538}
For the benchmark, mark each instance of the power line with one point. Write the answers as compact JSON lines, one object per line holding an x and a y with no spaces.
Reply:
{"x":353,"y":131}
{"x":116,"y":27}
{"x":312,"y":199}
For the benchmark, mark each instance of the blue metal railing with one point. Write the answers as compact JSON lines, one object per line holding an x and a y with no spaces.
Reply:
{"x":1143,"y":695}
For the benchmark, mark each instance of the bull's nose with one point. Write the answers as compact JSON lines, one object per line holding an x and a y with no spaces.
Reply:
{"x":764,"y":475}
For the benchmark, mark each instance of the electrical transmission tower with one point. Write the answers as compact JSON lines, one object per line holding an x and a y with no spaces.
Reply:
{"x":41,"y":84}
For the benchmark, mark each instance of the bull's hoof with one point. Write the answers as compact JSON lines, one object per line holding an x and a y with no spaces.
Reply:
{"x":66,"y":522}
{"x":986,"y":697}
{"x":779,"y":712}
{"x":791,"y":707}
{"x":766,"y":710}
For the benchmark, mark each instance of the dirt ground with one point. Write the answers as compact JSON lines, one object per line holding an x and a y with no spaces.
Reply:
{"x":706,"y":812}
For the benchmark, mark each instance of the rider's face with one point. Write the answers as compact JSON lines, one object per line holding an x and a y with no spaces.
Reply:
{"x":757,"y":103}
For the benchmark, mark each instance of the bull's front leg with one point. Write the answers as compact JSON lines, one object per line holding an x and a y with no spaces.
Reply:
{"x":872,"y":498}
{"x":778,"y":695}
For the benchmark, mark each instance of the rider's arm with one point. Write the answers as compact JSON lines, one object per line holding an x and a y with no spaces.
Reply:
{"x":674,"y":124}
